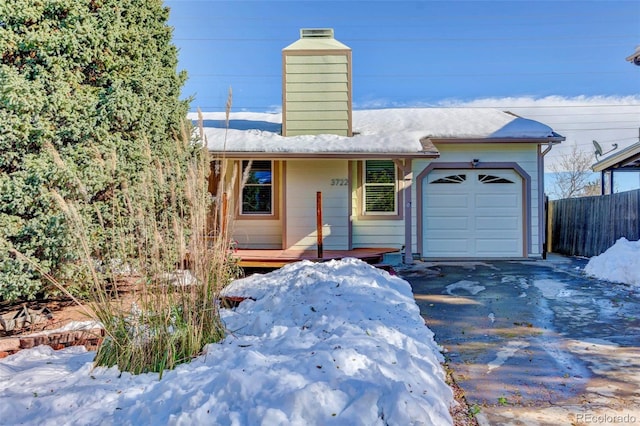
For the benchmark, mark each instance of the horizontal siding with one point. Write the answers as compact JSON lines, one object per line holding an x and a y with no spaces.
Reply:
{"x":315,"y":59}
{"x":520,"y":153}
{"x":330,"y":241}
{"x":316,"y":78}
{"x":293,"y":125}
{"x":317,"y":81}
{"x":302,"y":132}
{"x":327,"y":212}
{"x":317,"y":69}
{"x":305,"y":203}
{"x":317,"y":97}
{"x":330,"y":233}
{"x":317,"y":115}
{"x":317,"y":87}
{"x":335,"y":106}
{"x":258,"y":234}
{"x":378,"y":233}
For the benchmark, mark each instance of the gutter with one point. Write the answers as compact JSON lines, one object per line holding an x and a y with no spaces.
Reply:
{"x":550,"y":140}
{"x":326,"y":155}
{"x":549,"y":146}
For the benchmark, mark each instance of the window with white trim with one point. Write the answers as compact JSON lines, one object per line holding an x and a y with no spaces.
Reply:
{"x":380,"y":189}
{"x":257,"y":193}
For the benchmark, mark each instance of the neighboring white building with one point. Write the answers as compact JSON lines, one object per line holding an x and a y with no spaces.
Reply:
{"x":624,"y":161}
{"x":444,"y":183}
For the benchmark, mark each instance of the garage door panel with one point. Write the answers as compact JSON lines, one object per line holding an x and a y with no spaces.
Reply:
{"x":511,"y":213}
{"x":474,"y":217}
{"x":508,"y":223}
{"x":497,"y":210}
{"x":441,"y":235}
{"x":456,"y":223}
{"x":452,"y":201}
{"x":493,"y":200}
{"x":449,"y":247}
{"x":494,"y":247}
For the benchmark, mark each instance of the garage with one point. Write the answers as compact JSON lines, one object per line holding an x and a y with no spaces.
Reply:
{"x":472,"y":213}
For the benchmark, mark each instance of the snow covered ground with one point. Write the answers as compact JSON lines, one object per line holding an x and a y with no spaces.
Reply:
{"x":331,"y":343}
{"x":619,"y":264}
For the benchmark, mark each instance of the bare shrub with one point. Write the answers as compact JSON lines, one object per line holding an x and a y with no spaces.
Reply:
{"x":573,"y":175}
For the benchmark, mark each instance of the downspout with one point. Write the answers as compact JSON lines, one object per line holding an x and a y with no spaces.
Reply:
{"x":542,"y":234}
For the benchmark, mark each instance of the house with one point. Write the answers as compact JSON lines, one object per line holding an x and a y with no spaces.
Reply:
{"x":445,"y":183}
{"x":626,"y":160}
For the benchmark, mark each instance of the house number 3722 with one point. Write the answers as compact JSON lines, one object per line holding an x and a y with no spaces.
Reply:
{"x":339,"y":182}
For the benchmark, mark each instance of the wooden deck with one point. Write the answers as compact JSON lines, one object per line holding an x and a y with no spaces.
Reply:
{"x":279,"y":258}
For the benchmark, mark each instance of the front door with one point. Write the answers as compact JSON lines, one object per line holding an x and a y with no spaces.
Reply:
{"x":304,"y":178}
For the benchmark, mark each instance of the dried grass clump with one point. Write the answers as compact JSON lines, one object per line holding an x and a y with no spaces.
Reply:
{"x":178,"y":255}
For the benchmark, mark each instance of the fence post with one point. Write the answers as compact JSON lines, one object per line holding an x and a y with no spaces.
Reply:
{"x":546,"y":244}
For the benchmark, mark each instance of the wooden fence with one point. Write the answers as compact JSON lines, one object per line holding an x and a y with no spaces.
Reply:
{"x":587,"y":226}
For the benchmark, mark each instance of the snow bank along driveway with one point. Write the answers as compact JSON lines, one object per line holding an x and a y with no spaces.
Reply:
{"x":331,"y":343}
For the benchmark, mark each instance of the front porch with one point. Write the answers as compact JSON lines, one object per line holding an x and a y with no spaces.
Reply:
{"x":278,"y":258}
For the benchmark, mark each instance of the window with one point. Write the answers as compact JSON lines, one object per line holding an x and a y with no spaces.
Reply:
{"x":379,"y":187}
{"x":493,"y":179}
{"x":257,"y":194}
{"x":451,"y":179}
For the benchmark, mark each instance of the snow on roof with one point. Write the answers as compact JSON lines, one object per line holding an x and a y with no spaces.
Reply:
{"x":375,"y":131}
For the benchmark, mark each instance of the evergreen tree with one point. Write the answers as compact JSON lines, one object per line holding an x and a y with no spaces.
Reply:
{"x":83,"y":83}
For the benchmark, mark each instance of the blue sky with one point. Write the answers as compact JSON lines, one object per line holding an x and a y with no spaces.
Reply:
{"x":409,"y":53}
{"x":559,"y":62}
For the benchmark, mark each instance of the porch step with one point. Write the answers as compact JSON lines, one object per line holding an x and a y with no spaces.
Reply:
{"x":278,"y":258}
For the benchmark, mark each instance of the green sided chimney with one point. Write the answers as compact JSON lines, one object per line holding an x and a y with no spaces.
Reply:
{"x":316,"y":85}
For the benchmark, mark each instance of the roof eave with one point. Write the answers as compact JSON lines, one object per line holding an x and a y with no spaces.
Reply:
{"x":617,"y":159}
{"x":326,"y":155}
{"x":546,"y":140}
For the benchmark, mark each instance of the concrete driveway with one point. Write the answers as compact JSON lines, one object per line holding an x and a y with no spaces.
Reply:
{"x":537,"y":342}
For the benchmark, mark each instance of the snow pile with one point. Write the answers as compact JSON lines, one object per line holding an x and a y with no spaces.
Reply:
{"x":619,"y":264}
{"x":332,"y":343}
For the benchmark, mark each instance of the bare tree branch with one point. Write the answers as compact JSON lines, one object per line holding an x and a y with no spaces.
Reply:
{"x":573,"y":175}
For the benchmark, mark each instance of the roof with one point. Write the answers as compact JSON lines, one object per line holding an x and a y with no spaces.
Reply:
{"x":316,"y":39}
{"x":316,"y":44}
{"x":628,"y":158}
{"x":400,"y":132}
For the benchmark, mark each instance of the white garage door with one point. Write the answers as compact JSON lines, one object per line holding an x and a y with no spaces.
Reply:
{"x":472,"y":213}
